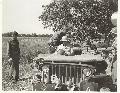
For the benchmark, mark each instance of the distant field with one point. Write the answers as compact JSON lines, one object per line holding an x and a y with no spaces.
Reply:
{"x":27,"y":44}
{"x":29,"y":47}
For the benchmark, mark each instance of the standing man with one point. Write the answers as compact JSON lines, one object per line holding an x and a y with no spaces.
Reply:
{"x":14,"y":56}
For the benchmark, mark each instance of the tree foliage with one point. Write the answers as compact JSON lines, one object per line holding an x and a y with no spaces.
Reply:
{"x":84,"y":17}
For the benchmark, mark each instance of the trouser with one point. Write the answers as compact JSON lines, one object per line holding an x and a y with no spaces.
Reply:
{"x":15,"y":67}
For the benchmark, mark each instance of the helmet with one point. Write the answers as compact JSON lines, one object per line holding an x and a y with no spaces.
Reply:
{"x":64,"y":38}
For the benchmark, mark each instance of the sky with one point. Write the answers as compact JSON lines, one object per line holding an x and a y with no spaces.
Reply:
{"x":22,"y":16}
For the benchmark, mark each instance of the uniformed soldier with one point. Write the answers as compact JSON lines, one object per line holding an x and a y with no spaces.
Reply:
{"x":14,"y":56}
{"x":65,"y":48}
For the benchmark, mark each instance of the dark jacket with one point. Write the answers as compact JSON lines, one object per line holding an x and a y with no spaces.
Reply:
{"x":14,"y":50}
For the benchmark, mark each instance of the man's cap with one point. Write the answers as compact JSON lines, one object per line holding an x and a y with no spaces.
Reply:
{"x":15,"y":33}
{"x":64,"y":38}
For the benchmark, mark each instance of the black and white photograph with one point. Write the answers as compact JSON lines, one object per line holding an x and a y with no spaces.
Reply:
{"x":59,"y":45}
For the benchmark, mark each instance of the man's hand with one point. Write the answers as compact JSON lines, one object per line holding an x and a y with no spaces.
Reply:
{"x":10,"y":61}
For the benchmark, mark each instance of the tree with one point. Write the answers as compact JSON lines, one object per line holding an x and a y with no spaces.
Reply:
{"x":83,"y":17}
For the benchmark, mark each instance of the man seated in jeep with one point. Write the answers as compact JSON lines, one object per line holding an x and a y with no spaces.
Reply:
{"x":65,"y":48}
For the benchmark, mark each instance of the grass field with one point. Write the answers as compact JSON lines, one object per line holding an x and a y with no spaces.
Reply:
{"x":29,"y":47}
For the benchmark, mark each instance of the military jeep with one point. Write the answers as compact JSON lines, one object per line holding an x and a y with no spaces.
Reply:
{"x":75,"y":68}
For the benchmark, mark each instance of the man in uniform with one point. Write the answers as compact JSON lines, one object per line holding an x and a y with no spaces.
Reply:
{"x":14,"y":56}
{"x":65,"y":48}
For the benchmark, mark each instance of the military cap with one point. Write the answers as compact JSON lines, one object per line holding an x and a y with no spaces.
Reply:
{"x":15,"y":33}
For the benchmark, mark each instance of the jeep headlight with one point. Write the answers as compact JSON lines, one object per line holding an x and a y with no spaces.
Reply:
{"x":87,"y":72}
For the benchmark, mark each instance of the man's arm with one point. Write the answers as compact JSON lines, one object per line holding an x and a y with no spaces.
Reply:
{"x":8,"y":50}
{"x":9,"y":53}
